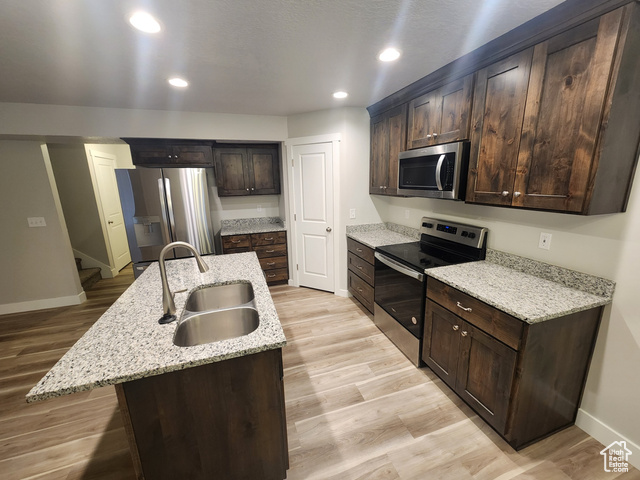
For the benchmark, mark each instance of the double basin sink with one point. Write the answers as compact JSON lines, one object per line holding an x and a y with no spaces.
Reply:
{"x":217,"y":312}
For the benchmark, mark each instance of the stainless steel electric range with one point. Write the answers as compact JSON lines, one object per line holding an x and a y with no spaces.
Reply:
{"x":401,"y":283}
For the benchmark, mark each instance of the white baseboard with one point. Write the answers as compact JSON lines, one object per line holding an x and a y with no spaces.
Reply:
{"x":606,"y":435}
{"x":43,"y":304}
{"x":106,"y":271}
{"x":341,"y":292}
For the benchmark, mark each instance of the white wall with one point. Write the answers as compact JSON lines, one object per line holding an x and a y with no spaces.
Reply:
{"x":32,"y":119}
{"x":351,"y":178}
{"x":38,"y":270}
{"x":604,"y":245}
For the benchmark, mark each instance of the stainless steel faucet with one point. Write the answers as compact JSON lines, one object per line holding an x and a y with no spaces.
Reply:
{"x":168,"y":305}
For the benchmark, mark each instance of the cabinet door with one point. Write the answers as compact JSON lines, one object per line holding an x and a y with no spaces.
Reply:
{"x":424,"y":120}
{"x":485,"y":375}
{"x":454,"y":102}
{"x":388,"y":139}
{"x":264,"y":171}
{"x":498,"y":111}
{"x":232,"y":172}
{"x":151,"y":154}
{"x":567,"y":91}
{"x":193,"y":155}
{"x":441,"y":342}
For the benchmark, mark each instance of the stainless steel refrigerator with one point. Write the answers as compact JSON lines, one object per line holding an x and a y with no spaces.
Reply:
{"x":163,"y":205}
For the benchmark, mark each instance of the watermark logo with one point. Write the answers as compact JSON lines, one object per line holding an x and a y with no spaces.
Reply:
{"x":616,"y":457}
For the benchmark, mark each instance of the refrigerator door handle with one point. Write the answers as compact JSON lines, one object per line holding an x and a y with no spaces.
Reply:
{"x":166,"y":233}
{"x":172,"y":220}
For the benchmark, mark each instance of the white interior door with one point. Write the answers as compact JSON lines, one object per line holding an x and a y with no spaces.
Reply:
{"x":313,"y":197}
{"x":104,"y":167}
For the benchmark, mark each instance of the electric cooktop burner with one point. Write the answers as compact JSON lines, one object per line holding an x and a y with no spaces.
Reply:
{"x":413,"y":255}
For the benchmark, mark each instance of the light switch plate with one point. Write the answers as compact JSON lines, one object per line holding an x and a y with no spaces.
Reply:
{"x":36,"y":222}
{"x":545,"y":241}
{"x":352,"y":213}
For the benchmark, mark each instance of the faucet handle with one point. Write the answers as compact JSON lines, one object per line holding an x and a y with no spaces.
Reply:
{"x":167,"y":318}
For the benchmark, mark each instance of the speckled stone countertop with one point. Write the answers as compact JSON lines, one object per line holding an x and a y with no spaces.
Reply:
{"x":128,"y":343}
{"x":246,"y":226}
{"x":378,"y":234}
{"x":529,"y":290}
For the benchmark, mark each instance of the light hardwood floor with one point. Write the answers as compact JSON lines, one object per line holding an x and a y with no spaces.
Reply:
{"x":356,"y":407}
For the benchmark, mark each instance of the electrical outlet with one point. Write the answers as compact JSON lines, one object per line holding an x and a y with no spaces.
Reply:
{"x":36,"y":222}
{"x":406,"y":214}
{"x":259,"y":208}
{"x":545,"y":241}
{"x":352,"y":213}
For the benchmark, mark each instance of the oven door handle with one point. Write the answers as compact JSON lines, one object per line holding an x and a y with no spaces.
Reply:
{"x":398,"y":267}
{"x":438,"y":170}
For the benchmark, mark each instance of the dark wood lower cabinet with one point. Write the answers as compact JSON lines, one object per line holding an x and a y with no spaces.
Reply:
{"x":526,"y":388}
{"x":221,"y":420}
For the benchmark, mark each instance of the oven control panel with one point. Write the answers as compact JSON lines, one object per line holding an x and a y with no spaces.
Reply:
{"x":457,"y":232}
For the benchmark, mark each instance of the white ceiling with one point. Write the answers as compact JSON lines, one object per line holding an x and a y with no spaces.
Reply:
{"x":274,"y":57}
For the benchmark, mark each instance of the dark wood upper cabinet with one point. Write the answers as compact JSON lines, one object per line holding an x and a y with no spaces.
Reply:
{"x":441,"y":116}
{"x":496,"y":127}
{"x":170,"y":153}
{"x":553,"y":127}
{"x":247,"y":171}
{"x":388,"y":139}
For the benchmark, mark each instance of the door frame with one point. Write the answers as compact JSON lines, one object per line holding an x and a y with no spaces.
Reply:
{"x":334,"y":139}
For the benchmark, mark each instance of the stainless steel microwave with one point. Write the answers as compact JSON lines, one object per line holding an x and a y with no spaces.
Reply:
{"x":439,"y":171}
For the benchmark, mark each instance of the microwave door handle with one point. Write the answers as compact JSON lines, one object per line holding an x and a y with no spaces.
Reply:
{"x":398,"y":267}
{"x":438,"y":169}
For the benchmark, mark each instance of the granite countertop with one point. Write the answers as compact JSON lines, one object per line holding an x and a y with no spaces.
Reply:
{"x":128,"y":343}
{"x":378,"y":234}
{"x":246,"y":226}
{"x":546,"y":292}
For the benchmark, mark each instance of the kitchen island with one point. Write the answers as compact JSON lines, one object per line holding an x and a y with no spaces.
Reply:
{"x":194,"y":411}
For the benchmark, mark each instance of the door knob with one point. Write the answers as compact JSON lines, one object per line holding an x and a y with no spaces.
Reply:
{"x":110,"y":222}
{"x":328,"y":229}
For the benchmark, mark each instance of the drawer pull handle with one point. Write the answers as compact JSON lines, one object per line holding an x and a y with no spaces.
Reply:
{"x":359,"y":250}
{"x":271,"y":264}
{"x":269,"y":251}
{"x":268,"y":239}
{"x":464,"y":333}
{"x":466,"y":309}
{"x":359,"y":267}
{"x":456,"y":328}
{"x":271,"y":275}
{"x":236,"y":241}
{"x":360,"y":289}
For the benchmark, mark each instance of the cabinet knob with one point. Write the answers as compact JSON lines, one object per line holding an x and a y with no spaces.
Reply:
{"x":414,"y":320}
{"x":516,"y":194}
{"x":456,"y":328}
{"x":252,"y":189}
{"x":435,"y":134}
{"x":428,"y":137}
{"x":505,"y":193}
{"x":464,"y":333}
{"x":169,"y":156}
{"x":247,"y":189}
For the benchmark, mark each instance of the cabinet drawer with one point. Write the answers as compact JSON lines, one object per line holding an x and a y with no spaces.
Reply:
{"x":496,"y":323}
{"x":269,"y":238}
{"x":361,"y":290}
{"x":361,"y":268}
{"x":277,"y":275}
{"x":237,"y":250}
{"x":270,"y":263}
{"x":235,"y":241}
{"x":271,"y":250}
{"x":360,"y":250}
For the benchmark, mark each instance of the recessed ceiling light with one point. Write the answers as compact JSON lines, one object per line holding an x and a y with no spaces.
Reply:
{"x":389,"y":55}
{"x":178,"y":82}
{"x":144,"y":22}
{"x":340,"y":95}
